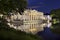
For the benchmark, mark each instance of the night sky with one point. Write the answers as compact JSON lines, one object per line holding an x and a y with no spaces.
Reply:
{"x":43,"y":5}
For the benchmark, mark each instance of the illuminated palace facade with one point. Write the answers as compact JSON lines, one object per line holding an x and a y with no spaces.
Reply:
{"x":31,"y":21}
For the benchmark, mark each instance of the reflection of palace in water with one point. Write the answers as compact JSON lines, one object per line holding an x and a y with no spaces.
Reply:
{"x":30,"y":21}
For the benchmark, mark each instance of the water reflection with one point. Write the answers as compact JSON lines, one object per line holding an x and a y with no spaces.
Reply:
{"x":48,"y":35}
{"x":31,"y":21}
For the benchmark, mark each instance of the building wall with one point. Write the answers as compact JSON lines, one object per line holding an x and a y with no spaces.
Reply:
{"x":31,"y":21}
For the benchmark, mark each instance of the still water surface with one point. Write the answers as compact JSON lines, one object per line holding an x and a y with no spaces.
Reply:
{"x":48,"y":35}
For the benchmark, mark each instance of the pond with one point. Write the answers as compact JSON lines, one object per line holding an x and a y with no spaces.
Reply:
{"x":48,"y":35}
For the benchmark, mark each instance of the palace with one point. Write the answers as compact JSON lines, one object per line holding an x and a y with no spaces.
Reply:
{"x":31,"y":21}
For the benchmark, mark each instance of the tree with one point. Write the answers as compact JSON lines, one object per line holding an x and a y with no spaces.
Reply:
{"x":7,"y":6}
{"x":55,"y":21}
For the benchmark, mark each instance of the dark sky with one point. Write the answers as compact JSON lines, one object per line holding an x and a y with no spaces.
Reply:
{"x":43,"y":5}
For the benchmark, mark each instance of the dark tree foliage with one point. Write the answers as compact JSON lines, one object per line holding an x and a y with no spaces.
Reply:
{"x":56,"y":15}
{"x":7,"y":6}
{"x":7,"y":33}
